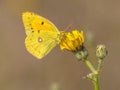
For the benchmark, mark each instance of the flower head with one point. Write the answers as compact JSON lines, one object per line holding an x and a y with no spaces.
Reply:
{"x":72,"y":41}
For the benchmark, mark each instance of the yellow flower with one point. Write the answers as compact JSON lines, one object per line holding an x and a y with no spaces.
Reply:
{"x":72,"y":41}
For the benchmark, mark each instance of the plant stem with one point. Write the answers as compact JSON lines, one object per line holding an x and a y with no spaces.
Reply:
{"x":95,"y":77}
{"x":100,"y":62}
{"x":90,"y":66}
{"x":96,"y":82}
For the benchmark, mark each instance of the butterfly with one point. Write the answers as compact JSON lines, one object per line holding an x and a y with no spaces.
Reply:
{"x":42,"y":34}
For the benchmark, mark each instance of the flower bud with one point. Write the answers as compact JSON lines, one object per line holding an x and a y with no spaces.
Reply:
{"x":81,"y":54}
{"x":101,"y":51}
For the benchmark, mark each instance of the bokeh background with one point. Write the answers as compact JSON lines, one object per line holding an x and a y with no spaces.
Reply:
{"x":19,"y":70}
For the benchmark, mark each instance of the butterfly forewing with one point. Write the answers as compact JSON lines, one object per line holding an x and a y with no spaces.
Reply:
{"x":34,"y":22}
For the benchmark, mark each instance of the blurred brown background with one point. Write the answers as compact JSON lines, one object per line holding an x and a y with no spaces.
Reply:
{"x":19,"y":70}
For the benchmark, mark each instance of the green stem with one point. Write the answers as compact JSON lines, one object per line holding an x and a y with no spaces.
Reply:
{"x":95,"y":77}
{"x":90,"y":66}
{"x":100,"y":62}
{"x":96,"y":82}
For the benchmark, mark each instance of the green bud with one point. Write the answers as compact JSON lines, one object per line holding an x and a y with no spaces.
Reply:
{"x":101,"y":51}
{"x":82,"y":54}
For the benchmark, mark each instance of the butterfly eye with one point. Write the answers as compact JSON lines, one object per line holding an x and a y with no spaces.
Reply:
{"x":40,"y":39}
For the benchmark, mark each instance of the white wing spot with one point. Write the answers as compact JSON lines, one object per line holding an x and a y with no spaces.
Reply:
{"x":40,"y":39}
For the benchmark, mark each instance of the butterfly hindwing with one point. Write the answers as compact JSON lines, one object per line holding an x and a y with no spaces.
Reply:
{"x":40,"y":44}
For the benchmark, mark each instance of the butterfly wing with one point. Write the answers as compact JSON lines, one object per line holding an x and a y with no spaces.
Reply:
{"x":34,"y":22}
{"x":42,"y":35}
{"x":40,"y":44}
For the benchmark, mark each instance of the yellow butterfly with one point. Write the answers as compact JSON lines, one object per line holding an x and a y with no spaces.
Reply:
{"x":42,"y":34}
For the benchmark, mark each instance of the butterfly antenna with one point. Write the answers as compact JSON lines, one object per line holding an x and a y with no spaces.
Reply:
{"x":67,"y":28}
